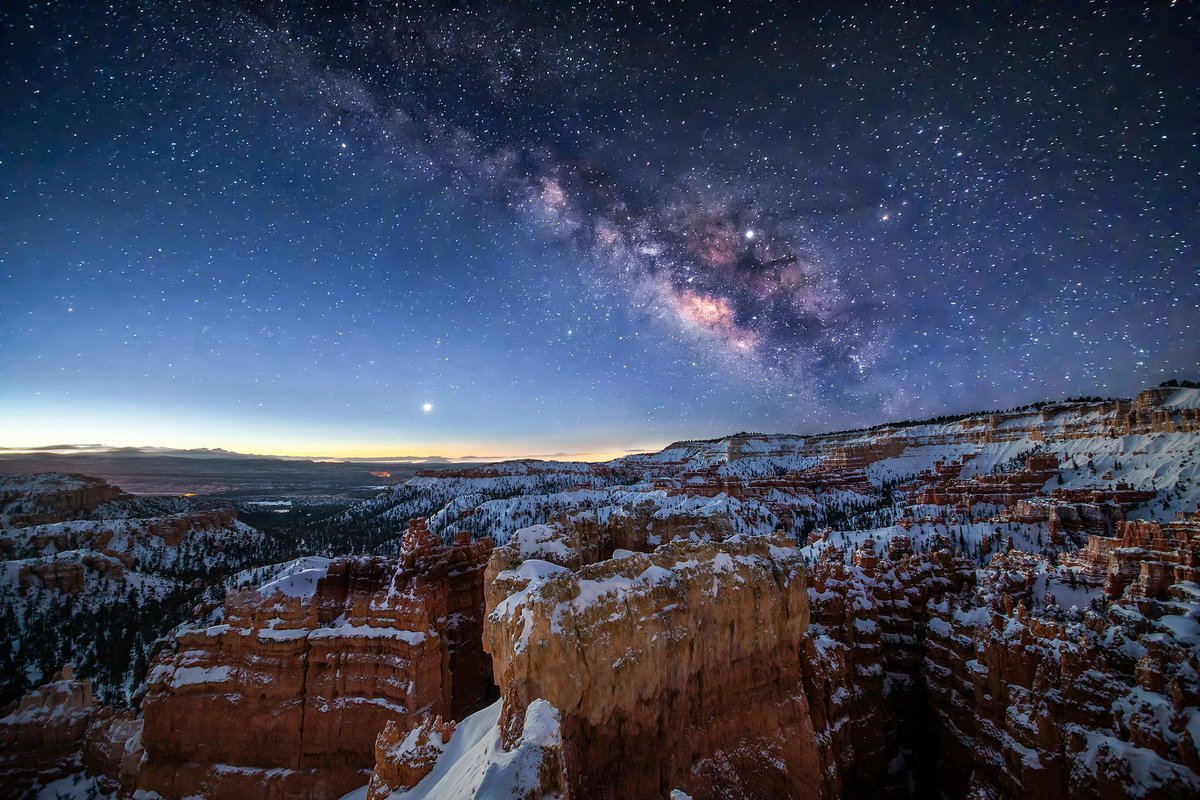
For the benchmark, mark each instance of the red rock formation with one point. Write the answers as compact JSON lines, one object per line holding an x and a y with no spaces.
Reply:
{"x":112,"y":750}
{"x":1066,"y":521}
{"x":173,"y":529}
{"x":845,"y":674}
{"x":67,"y":573}
{"x":840,"y":467}
{"x":640,"y":530}
{"x":1147,"y":414}
{"x":51,"y":497}
{"x":1004,"y":489}
{"x":645,"y":707}
{"x":41,"y":734}
{"x":119,"y":537}
{"x":1033,"y":701}
{"x":402,"y":761}
{"x":311,"y":680}
{"x":1121,"y":496}
{"x":897,"y":647}
{"x":866,"y":689}
{"x":1147,"y":558}
{"x":688,"y":664}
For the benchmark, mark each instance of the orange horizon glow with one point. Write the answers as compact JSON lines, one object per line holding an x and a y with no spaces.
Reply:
{"x":397,"y":455}
{"x":483,"y":453}
{"x":49,"y":426}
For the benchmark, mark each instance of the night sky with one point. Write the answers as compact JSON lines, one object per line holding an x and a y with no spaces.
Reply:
{"x":382,"y":229}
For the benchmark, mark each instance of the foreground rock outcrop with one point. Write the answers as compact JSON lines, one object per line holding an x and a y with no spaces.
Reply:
{"x":641,"y":653}
{"x":285,"y":695}
{"x":1037,"y":678}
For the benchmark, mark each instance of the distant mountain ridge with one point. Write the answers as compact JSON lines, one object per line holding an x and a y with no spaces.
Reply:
{"x":150,"y":451}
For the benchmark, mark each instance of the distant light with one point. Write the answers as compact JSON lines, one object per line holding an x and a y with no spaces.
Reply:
{"x":749,"y":233}
{"x":886,"y":217}
{"x":427,"y":407}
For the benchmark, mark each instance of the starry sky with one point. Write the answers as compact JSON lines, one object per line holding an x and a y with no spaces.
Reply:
{"x":534,"y":229}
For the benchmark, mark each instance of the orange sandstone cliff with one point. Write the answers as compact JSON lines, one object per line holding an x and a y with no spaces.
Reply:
{"x":285,"y":696}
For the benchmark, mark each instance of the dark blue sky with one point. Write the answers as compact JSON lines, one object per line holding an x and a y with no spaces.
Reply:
{"x":277,"y":229}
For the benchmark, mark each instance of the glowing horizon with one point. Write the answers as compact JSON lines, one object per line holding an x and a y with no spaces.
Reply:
{"x":56,"y":426}
{"x":336,"y":255}
{"x":363,"y":456}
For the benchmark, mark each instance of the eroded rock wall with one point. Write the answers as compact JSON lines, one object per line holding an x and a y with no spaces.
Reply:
{"x":641,"y":654}
{"x":285,"y":697}
{"x":1099,"y":701}
{"x":51,"y":497}
{"x":40,"y":735}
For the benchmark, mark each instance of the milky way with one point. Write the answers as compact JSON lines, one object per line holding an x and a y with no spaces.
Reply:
{"x":711,"y":264}
{"x":578,"y":228}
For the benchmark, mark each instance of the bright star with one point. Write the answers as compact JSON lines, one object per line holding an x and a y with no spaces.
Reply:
{"x":427,"y":407}
{"x":749,"y":234}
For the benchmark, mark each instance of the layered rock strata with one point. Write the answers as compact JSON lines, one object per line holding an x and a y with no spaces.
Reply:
{"x":118,"y":538}
{"x":1100,"y":700}
{"x":41,"y":734}
{"x":51,"y":497}
{"x":286,"y":695}
{"x":641,"y":654}
{"x":1033,"y":678}
{"x":996,"y":605}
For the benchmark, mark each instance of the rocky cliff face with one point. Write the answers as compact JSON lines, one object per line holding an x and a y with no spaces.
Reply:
{"x":40,"y":734}
{"x":1100,"y":699}
{"x":940,"y":646}
{"x":125,"y":539}
{"x":58,"y":730}
{"x":286,"y":694}
{"x":638,"y":654}
{"x":864,"y":661}
{"x":645,"y":707}
{"x":50,"y":497}
{"x":403,"y":759}
{"x":62,"y":557}
{"x":994,"y":606}
{"x":97,"y":592}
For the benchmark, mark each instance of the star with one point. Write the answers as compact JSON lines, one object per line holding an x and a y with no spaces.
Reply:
{"x":367,"y":206}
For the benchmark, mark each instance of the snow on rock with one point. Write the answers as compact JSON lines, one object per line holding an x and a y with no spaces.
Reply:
{"x":607,"y":641}
{"x":537,"y":541}
{"x":1182,"y":398}
{"x":1003,"y":603}
{"x":50,"y":497}
{"x":191,"y":676}
{"x":43,"y":730}
{"x":915,"y":461}
{"x":296,"y":578}
{"x":313,"y":675}
{"x":1124,"y":654}
{"x":475,"y":765}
